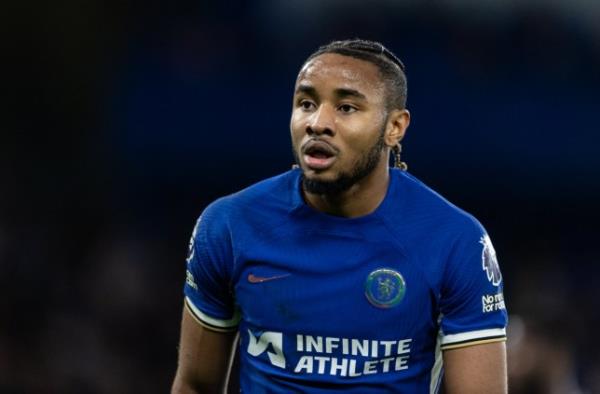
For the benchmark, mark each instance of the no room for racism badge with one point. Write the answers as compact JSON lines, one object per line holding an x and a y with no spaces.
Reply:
{"x":385,"y":288}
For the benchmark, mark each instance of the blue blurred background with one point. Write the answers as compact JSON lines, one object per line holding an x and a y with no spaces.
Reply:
{"x":125,"y":119}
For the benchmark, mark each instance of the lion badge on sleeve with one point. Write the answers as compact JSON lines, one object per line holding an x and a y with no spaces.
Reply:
{"x":489,"y":261}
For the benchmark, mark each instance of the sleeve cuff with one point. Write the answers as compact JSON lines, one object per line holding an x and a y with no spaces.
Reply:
{"x":210,"y":322}
{"x":470,"y":338}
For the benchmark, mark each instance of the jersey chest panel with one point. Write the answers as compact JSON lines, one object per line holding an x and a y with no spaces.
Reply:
{"x":334,"y":306}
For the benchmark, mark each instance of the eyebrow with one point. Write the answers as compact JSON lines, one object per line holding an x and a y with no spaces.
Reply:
{"x":344,"y":92}
{"x":340,"y":92}
{"x":307,"y":89}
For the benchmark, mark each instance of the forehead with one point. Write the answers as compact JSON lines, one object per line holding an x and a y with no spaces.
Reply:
{"x":339,"y":71}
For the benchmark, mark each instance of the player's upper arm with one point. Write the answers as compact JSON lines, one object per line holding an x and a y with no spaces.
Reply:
{"x":203,"y":357}
{"x":210,"y":316}
{"x":473,"y":316}
{"x":476,"y":369}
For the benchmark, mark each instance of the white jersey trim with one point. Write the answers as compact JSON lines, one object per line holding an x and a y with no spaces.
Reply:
{"x":466,"y":338}
{"x":211,"y":321}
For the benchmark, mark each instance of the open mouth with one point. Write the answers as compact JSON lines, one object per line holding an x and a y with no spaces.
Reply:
{"x":319,"y":155}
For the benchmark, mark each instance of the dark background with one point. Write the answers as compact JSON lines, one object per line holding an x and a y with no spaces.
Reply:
{"x":123,"y":120}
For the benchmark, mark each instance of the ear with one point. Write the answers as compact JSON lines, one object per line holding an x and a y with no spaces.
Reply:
{"x":398,"y":121}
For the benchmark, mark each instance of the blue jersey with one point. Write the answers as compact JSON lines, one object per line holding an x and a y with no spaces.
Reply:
{"x":327,"y":304}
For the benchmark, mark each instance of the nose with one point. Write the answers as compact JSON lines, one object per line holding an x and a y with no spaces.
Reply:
{"x":322,"y":121}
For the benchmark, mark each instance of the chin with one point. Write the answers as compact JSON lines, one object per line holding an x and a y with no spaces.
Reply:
{"x":331,"y":183}
{"x":320,"y":176}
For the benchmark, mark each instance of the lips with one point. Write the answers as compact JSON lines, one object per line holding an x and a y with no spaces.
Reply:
{"x":319,"y":155}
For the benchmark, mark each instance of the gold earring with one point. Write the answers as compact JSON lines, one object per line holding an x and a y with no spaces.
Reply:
{"x":397,"y":162}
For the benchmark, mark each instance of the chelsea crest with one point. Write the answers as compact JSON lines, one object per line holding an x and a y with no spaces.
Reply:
{"x":385,"y":288}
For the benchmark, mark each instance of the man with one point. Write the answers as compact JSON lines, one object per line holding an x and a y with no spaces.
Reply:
{"x":343,"y":275}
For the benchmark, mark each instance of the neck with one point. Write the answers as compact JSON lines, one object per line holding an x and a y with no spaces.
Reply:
{"x":360,"y":199}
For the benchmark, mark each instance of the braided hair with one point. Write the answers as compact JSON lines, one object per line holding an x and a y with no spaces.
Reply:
{"x":391,"y":68}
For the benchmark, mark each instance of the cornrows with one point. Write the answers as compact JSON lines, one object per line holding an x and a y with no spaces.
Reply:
{"x":391,"y":68}
{"x":369,"y":46}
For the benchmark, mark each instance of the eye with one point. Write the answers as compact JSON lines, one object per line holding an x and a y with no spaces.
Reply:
{"x":307,"y":105}
{"x":347,"y":108}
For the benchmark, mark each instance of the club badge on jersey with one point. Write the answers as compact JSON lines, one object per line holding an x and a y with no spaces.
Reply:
{"x":385,"y":288}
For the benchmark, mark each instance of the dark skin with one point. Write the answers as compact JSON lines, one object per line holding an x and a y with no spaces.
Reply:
{"x":340,"y":101}
{"x":203,"y":358}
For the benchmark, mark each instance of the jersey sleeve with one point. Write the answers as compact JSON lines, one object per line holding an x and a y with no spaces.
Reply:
{"x":472,"y":300}
{"x":208,"y":289}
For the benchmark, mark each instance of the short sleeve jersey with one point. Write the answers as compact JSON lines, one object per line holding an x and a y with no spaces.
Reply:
{"x":326,"y":304}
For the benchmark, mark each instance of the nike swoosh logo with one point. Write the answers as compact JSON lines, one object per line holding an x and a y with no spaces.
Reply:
{"x":260,"y":279}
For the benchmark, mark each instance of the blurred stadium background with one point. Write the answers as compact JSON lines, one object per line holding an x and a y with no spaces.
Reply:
{"x":125,"y":119}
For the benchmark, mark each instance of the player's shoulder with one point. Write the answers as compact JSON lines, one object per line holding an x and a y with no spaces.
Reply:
{"x":274,"y":193}
{"x":424,"y":203}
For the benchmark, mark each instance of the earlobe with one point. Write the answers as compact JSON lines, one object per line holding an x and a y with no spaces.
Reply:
{"x":397,"y":124}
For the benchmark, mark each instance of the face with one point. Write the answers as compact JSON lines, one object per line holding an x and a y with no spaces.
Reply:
{"x":338,"y":124}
